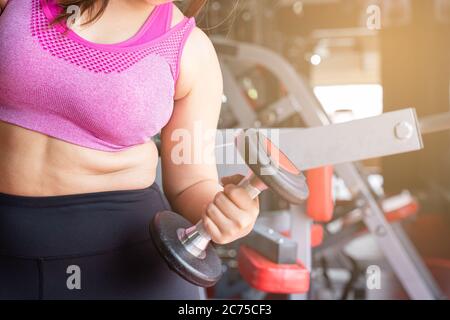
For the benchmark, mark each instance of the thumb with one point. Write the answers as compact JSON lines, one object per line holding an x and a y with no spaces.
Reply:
{"x":234,"y":179}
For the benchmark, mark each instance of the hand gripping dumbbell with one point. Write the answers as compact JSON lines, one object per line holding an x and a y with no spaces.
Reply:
{"x":187,"y":249}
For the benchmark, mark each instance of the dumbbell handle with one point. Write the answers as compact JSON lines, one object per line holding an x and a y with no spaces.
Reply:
{"x":196,"y":238}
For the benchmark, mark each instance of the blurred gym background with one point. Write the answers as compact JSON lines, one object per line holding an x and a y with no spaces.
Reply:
{"x":362,"y":58}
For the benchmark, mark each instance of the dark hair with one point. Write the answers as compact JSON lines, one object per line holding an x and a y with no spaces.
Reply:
{"x":195,"y":7}
{"x":96,"y":8}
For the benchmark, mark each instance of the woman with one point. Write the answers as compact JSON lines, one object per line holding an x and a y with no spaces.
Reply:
{"x":84,"y":86}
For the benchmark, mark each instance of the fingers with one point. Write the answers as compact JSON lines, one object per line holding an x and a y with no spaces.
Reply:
{"x":234,"y":179}
{"x":232,"y":214}
{"x":223,"y":223}
{"x":240,"y":197}
{"x":240,"y":219}
{"x":243,"y":216}
{"x":219,"y":227}
{"x":212,"y":230}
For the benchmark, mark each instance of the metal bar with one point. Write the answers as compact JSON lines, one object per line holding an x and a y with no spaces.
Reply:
{"x":277,"y":112}
{"x":301,"y":232}
{"x":435,"y":123}
{"x":401,"y":234}
{"x":297,"y":86}
{"x":412,"y":274}
{"x":335,"y":143}
{"x":237,"y":101}
{"x":272,"y":244}
{"x":352,"y":141}
{"x":415,"y":278}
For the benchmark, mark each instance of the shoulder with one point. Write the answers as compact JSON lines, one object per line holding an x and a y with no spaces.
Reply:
{"x":197,"y":38}
{"x":198,"y":60}
{"x":198,"y":43}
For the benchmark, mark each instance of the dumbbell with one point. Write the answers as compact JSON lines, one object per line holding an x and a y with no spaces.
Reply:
{"x":187,"y":249}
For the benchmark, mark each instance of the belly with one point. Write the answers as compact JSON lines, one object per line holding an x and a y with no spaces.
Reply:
{"x":33,"y":164}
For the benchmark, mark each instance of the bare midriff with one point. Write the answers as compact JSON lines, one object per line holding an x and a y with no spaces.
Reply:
{"x":34,"y":164}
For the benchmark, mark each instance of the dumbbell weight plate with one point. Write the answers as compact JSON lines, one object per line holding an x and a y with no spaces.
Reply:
{"x":202,"y":272}
{"x":272,"y":166}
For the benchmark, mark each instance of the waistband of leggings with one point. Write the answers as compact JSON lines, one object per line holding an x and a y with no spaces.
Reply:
{"x":74,"y":199}
{"x":77,"y":225}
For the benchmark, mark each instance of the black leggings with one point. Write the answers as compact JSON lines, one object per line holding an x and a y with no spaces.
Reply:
{"x":85,"y":246}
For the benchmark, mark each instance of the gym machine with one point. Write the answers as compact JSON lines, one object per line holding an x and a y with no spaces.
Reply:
{"x":300,"y":146}
{"x":300,"y":100}
{"x":187,"y":248}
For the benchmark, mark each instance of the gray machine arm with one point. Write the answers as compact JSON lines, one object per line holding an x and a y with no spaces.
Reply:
{"x":401,"y":255}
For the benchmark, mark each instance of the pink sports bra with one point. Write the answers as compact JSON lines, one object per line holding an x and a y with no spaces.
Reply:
{"x":107,"y":97}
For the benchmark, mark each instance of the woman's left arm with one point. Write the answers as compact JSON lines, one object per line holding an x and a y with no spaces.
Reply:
{"x":192,"y":187}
